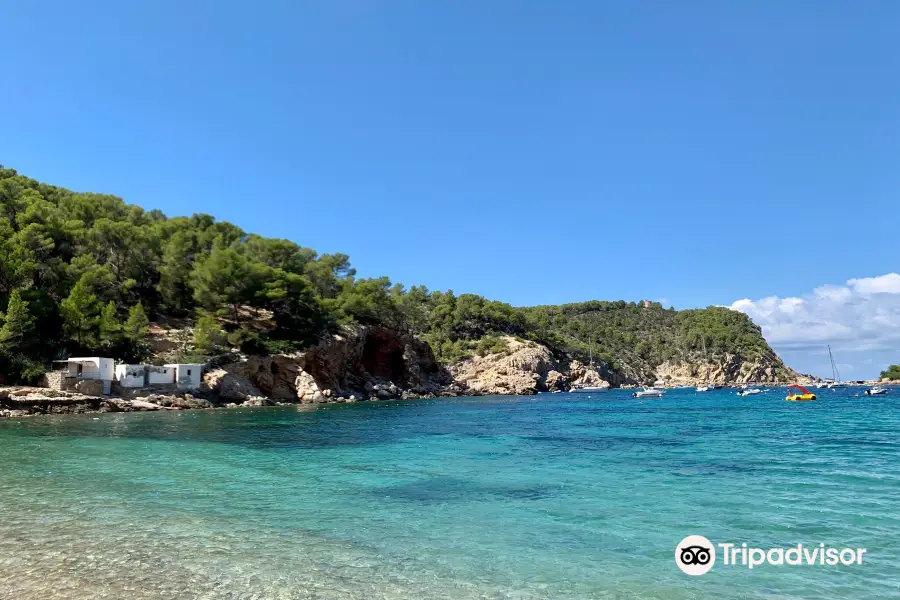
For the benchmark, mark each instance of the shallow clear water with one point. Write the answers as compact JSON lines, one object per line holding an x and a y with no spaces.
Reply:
{"x":553,"y":496}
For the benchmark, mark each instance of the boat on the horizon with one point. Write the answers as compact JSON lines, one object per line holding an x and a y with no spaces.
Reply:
{"x":648,"y":393}
{"x":876,"y":390}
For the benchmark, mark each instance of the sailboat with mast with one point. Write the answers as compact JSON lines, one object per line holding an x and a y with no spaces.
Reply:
{"x":835,"y":374}
{"x":705,"y":387}
{"x":590,"y":389}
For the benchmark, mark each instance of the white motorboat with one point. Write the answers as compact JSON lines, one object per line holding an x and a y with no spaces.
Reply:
{"x":648,"y":393}
{"x":749,"y":392}
{"x":876,"y":391}
{"x":702,"y":388}
{"x":590,"y":389}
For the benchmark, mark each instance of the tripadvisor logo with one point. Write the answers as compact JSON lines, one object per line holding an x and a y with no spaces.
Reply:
{"x":696,"y":555}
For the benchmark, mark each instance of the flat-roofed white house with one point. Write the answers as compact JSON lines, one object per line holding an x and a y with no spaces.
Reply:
{"x":138,"y":376}
{"x":130,"y":376}
{"x":80,"y":368}
{"x":187,"y":376}
{"x":92,"y":367}
{"x":164,"y":375}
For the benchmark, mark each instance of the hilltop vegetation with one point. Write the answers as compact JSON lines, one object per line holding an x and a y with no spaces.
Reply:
{"x":84,"y":273}
{"x":892,"y":373}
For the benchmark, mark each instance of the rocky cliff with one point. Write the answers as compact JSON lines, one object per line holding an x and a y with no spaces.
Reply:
{"x":359,"y":363}
{"x":524,"y":367}
{"x":731,"y":369}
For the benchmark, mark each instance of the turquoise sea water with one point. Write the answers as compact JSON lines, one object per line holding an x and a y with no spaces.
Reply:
{"x":553,"y":496}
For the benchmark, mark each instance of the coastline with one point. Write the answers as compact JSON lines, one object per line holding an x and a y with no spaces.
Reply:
{"x":26,"y":401}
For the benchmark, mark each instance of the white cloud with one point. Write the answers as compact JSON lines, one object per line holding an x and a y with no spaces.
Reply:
{"x":863,"y":314}
{"x":886,"y":284}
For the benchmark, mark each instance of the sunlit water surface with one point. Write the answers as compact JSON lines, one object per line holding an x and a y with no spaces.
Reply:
{"x":553,"y":496}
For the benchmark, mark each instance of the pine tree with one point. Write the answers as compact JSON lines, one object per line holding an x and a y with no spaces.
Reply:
{"x":110,"y":327}
{"x":80,"y":315}
{"x":174,"y":270}
{"x":225,"y":281}
{"x":208,"y":336}
{"x":137,"y":325}
{"x":18,"y":325}
{"x":135,"y":346}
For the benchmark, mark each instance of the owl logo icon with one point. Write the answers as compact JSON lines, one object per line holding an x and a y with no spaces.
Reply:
{"x":695,"y":555}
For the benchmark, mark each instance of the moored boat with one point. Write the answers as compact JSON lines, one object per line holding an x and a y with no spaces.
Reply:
{"x":835,"y":381}
{"x":648,"y":393}
{"x":876,"y":391}
{"x":749,"y":392}
{"x":589,"y":389}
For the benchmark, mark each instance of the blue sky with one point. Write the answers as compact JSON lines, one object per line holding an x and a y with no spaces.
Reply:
{"x":529,"y":151}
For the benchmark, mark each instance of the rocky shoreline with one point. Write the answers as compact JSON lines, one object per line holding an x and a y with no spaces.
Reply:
{"x":374,"y":363}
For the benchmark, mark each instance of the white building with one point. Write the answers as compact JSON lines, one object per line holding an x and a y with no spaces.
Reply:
{"x":187,"y":376}
{"x":138,"y":376}
{"x":78,"y":368}
{"x":130,"y":376}
{"x":164,"y":375}
{"x":93,"y":367}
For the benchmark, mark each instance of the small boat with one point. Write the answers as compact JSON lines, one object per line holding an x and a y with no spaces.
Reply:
{"x":798,"y":393}
{"x":876,"y":391}
{"x":648,"y":393}
{"x":589,"y":389}
{"x":702,"y":388}
{"x":749,"y":392}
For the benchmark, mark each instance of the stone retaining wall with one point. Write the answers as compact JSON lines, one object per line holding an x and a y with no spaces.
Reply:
{"x":60,"y":381}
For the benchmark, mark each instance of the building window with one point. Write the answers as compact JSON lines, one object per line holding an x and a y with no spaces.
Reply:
{"x":189,"y":372}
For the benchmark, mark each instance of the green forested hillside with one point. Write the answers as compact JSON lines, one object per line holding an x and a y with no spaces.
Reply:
{"x":84,"y":273}
{"x":892,"y":372}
